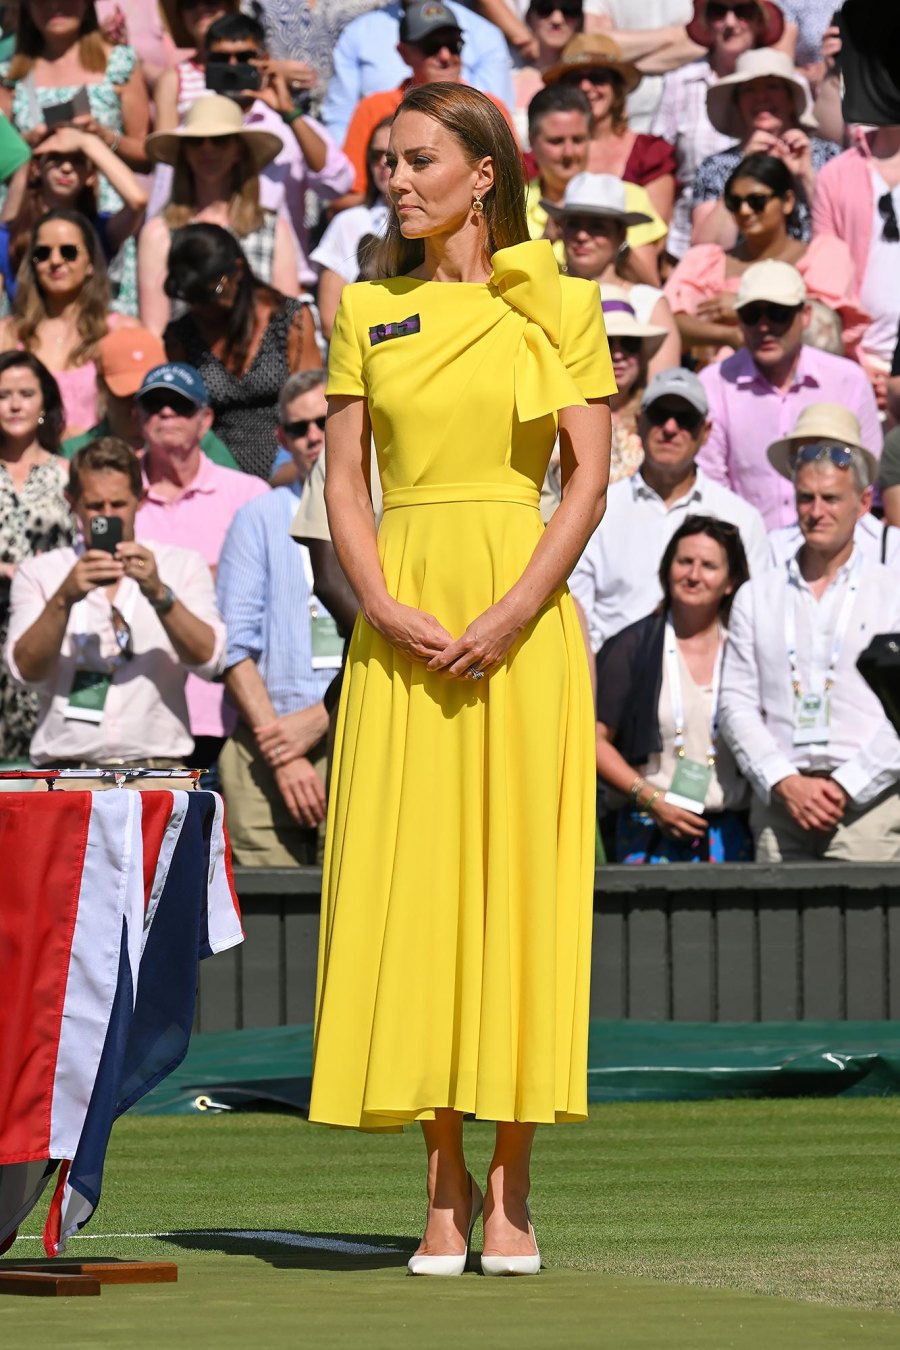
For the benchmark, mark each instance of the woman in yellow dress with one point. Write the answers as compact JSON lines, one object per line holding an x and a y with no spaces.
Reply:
{"x":457,"y":894}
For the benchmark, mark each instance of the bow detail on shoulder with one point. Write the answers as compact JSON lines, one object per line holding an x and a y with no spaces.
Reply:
{"x":527,"y":278}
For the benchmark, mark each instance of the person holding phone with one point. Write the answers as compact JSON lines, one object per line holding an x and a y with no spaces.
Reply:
{"x":106,"y":631}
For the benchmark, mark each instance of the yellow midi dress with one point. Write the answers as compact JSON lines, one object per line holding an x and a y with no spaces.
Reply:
{"x":458,"y":883}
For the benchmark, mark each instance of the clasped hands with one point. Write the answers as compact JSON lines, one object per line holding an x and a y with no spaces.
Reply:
{"x":482,"y":646}
{"x":814,"y":803}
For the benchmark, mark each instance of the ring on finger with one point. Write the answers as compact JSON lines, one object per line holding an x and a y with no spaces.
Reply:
{"x":475,"y":673}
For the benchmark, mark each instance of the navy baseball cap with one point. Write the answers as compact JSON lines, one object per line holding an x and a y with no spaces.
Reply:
{"x":178,"y":378}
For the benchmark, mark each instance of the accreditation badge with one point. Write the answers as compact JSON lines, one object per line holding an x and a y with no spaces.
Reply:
{"x":690,"y":784}
{"x":812,"y":719}
{"x":87,"y":697}
{"x":327,"y":643}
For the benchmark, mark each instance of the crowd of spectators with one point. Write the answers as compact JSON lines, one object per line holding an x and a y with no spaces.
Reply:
{"x":185,"y":189}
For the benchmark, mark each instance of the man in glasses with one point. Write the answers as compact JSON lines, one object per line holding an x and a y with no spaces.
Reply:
{"x":805,"y":729}
{"x":188,"y":497}
{"x":616,"y":579}
{"x":283,"y":651}
{"x":756,"y":395}
{"x":106,"y":635}
{"x":431,"y":44}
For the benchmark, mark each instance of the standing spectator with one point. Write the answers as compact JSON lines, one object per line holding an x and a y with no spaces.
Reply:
{"x":244,"y":337}
{"x":178,"y":88}
{"x":305,"y":35}
{"x":755,"y":395}
{"x":217,"y":163}
{"x":107,"y":641}
{"x":595,"y":65}
{"x":727,"y":31}
{"x":764,"y":108}
{"x":186,"y":496}
{"x":34,"y":514}
{"x":367,"y":60}
{"x":554,"y":23}
{"x":283,"y":652}
{"x":616,"y":579}
{"x":658,"y":748}
{"x":806,"y":730}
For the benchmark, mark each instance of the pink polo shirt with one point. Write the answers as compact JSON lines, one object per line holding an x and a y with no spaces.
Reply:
{"x":200,"y":519}
{"x":748,"y":414}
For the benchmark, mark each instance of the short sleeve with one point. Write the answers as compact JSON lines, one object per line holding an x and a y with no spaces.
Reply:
{"x":122,"y":61}
{"x":583,"y":346}
{"x":345,"y":373}
{"x":651,"y":158}
{"x":637,"y":199}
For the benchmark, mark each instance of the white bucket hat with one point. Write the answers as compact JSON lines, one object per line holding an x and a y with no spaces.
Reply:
{"x":214,"y":115}
{"x":622,"y":321}
{"x":757,"y":64}
{"x":825,"y":422}
{"x":595,"y":194}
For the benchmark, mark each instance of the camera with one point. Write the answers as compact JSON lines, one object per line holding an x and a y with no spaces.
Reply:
{"x":222,"y":78}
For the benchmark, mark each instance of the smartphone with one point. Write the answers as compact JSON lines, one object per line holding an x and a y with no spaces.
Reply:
{"x":106,"y":532}
{"x":58,"y":114}
{"x":231,"y":79}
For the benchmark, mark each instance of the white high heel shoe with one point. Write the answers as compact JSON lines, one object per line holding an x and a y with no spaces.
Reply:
{"x":514,"y":1265}
{"x":450,"y":1265}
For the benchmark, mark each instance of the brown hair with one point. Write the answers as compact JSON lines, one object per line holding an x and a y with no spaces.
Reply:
{"x":728,"y":537}
{"x":29,"y":309}
{"x":618,"y":110}
{"x":481,"y":131}
{"x":93,"y":52}
{"x":244,"y":211}
{"x":175,"y":23}
{"x":106,"y":453}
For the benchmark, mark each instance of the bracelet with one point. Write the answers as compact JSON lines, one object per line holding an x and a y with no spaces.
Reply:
{"x":292,"y":116}
{"x":636,"y":788}
{"x":648,"y":805}
{"x":114,"y":143}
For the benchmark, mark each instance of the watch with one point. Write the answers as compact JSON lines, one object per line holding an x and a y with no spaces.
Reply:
{"x":165,"y":601}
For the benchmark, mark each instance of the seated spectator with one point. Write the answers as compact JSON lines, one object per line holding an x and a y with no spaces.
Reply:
{"x":760,"y":196}
{"x":243,"y":336}
{"x":821,"y":756}
{"x":431,"y":42}
{"x":632,"y":346}
{"x":554,"y":23}
{"x":300,"y":441}
{"x":178,"y":88}
{"x":593,"y":219}
{"x":186,"y":496}
{"x":559,"y":119}
{"x":858,"y":201}
{"x":832,"y":426}
{"x":367,"y":60}
{"x":594,"y":64}
{"x":106,"y":640}
{"x":763,"y":107}
{"x":34,"y":513}
{"x":59,"y":56}
{"x":337,"y":253}
{"x":673,"y":778}
{"x":756,"y":394}
{"x":217,"y":163}
{"x":63,"y":176}
{"x":652,"y":35}
{"x":616,"y":579}
{"x":889,"y":477}
{"x":283,"y":652}
{"x":124,"y":359}
{"x":62,"y":310}
{"x":726,"y":31}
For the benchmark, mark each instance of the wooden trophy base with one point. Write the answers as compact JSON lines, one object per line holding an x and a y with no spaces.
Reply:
{"x":75,"y":1279}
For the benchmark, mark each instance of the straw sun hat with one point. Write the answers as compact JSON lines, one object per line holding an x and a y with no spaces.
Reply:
{"x":757,"y":64}
{"x":594,"y":51}
{"x":621,"y":321}
{"x":213,"y":115}
{"x":823,"y":422}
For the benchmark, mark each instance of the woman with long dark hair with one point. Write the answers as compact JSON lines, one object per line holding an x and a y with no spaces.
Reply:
{"x":455,"y":935}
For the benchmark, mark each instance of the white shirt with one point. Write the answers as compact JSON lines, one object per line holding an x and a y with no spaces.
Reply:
{"x":880,"y":285}
{"x":875,"y":540}
{"x":338,"y":247}
{"x":757,"y":703}
{"x":616,"y":579}
{"x":145,"y":715}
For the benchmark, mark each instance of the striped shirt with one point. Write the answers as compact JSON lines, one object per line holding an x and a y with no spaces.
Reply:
{"x":263,"y":589}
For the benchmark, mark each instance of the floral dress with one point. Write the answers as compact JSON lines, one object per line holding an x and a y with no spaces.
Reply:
{"x":34,"y":520}
{"x":29,"y":101}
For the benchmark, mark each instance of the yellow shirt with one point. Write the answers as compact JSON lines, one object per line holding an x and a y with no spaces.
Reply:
{"x":636,"y":199}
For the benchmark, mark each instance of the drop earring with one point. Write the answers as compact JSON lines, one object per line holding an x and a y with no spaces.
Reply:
{"x":477,"y":205}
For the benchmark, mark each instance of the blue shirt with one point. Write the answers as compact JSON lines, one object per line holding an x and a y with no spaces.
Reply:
{"x":263,"y":590}
{"x":366,"y":61}
{"x":283,"y":457}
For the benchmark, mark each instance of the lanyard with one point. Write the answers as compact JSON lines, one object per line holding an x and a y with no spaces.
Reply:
{"x":675,"y":693}
{"x":313,"y":600}
{"x":840,"y":631}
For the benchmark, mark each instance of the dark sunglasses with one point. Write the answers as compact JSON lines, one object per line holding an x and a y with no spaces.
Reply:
{"x":156,"y":399}
{"x":77,"y":159}
{"x":841,"y":456}
{"x":302,"y":427}
{"x":44,"y":252}
{"x":757,"y":201}
{"x":688,"y":419}
{"x":569,"y":9}
{"x":779,"y":316}
{"x":890,"y":231}
{"x":430,"y":46}
{"x":630,"y":345}
{"x":590,"y":224}
{"x":231,"y":58}
{"x":716,"y":11}
{"x":595,"y":74}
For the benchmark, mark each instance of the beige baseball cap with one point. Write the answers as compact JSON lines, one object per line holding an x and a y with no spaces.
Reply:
{"x":777,"y":282}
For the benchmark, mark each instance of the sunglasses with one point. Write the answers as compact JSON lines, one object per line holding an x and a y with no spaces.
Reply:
{"x":757,"y":201}
{"x":778,"y":316}
{"x":890,"y":231}
{"x":302,"y":427}
{"x":715,"y":12}
{"x":590,"y":224}
{"x":841,"y":456}
{"x":629,"y":344}
{"x":76,"y":158}
{"x":156,"y":399}
{"x":594,"y":75}
{"x":569,"y":9}
{"x":430,"y":46}
{"x":231,"y":58}
{"x":688,"y":419}
{"x":44,"y":252}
